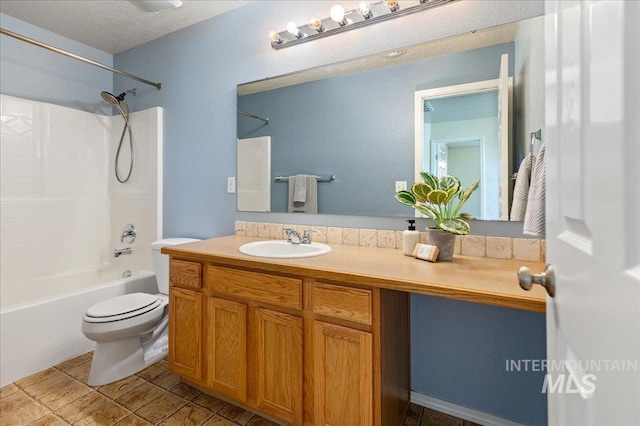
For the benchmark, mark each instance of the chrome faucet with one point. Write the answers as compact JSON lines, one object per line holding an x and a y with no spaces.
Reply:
{"x":120,"y":252}
{"x":306,"y":236}
{"x":294,"y":237}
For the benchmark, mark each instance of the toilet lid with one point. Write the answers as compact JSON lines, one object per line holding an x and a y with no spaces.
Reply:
{"x":132,"y":304}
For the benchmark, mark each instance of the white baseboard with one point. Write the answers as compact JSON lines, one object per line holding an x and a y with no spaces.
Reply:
{"x":459,"y":411}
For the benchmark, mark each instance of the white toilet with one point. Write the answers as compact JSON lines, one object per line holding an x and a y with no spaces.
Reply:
{"x":130,"y":331}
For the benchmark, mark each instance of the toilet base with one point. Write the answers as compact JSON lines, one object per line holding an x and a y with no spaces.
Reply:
{"x":113,"y":361}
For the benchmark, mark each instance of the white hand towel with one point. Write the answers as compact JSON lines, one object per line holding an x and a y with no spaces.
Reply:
{"x":521,"y":189}
{"x":534,"y":218}
{"x":299,"y":188}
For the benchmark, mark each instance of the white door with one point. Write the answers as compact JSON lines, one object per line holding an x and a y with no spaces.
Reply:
{"x":593,"y":211}
{"x":440,"y":159}
{"x":504,"y":129}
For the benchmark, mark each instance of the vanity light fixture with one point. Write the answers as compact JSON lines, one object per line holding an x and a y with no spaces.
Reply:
{"x":364,"y":10}
{"x":315,"y":23}
{"x":339,"y":20}
{"x":337,"y":15}
{"x":275,"y":38}
{"x":393,"y":5}
{"x":292,"y":28}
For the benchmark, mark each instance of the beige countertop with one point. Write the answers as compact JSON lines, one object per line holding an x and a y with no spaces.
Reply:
{"x":473,"y":279}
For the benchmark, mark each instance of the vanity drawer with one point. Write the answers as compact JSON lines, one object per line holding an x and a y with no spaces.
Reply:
{"x":265,"y":288}
{"x":185,"y":274}
{"x":353,"y":304}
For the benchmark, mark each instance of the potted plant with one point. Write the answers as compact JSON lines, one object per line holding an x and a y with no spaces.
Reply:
{"x":440,"y":199}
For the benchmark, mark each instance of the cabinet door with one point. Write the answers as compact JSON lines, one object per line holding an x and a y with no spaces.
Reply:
{"x":185,"y":333}
{"x":226,"y":347}
{"x":343,"y":376}
{"x":278,"y":363}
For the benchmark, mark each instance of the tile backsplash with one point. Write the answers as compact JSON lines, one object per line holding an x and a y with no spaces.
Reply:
{"x":466,"y":245}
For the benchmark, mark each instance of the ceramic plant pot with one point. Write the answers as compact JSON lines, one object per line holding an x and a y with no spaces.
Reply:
{"x":444,"y":240}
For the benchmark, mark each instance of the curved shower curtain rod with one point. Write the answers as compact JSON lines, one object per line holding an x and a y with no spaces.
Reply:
{"x":79,"y":58}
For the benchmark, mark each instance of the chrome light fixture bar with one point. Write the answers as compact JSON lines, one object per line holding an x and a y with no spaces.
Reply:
{"x":340,"y":21}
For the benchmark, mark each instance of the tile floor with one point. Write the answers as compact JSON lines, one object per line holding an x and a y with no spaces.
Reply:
{"x":154,"y":396}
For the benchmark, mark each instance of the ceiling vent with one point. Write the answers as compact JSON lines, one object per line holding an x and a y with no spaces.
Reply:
{"x":427,"y":107}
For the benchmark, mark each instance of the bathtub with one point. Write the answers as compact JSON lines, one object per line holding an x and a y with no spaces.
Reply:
{"x":37,"y":333}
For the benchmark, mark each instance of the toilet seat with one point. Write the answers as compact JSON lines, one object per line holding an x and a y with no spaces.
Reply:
{"x":123,"y":307}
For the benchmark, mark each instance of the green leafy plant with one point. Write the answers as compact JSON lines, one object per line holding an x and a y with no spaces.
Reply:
{"x":441,"y":201}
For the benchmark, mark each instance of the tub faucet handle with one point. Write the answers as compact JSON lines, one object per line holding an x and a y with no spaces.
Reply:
{"x":128,"y":234}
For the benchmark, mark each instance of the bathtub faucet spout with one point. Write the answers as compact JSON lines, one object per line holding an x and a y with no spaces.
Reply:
{"x":120,"y":252}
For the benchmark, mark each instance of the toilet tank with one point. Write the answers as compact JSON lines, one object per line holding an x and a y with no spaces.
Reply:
{"x":161,"y":261}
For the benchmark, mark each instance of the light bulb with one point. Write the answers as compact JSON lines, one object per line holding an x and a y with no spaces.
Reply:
{"x":363,"y":10}
{"x":293,"y":29}
{"x":315,"y":23}
{"x":337,"y":15}
{"x":275,"y":37}
{"x":392,"y":5}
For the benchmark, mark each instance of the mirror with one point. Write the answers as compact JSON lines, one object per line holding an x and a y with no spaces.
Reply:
{"x":355,"y":120}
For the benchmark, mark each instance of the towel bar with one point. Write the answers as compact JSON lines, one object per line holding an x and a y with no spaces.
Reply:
{"x":326,"y":178}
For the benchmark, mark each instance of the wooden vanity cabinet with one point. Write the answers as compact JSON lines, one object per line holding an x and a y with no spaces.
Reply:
{"x":253,"y":348}
{"x":343,"y":373}
{"x":225,"y":347}
{"x":185,"y":320}
{"x":275,"y":361}
{"x":293,"y":348}
{"x":360,"y":354}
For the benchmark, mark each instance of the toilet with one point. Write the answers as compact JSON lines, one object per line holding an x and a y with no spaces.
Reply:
{"x":131,"y":331}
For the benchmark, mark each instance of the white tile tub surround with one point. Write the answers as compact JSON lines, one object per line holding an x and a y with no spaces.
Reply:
{"x":54,"y":191}
{"x":467,"y":245}
{"x":60,"y":208}
{"x":138,"y":201}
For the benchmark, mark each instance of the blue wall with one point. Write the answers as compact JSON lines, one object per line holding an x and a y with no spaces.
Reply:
{"x":32,"y":72}
{"x":340,"y":126}
{"x":200,"y":67}
{"x":459,"y":352}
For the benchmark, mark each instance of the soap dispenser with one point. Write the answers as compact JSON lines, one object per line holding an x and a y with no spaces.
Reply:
{"x":410,"y":238}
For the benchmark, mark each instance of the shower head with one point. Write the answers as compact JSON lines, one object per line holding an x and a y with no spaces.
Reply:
{"x":115,"y":100}
{"x":109,"y":98}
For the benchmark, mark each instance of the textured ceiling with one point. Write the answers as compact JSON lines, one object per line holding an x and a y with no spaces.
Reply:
{"x":112,"y":26}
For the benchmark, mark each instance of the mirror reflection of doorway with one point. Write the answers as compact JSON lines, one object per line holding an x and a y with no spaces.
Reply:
{"x":461,"y":158}
{"x":462,"y":113}
{"x":480,"y":109}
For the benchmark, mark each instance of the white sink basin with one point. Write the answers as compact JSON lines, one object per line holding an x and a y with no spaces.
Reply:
{"x":281,"y":249}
